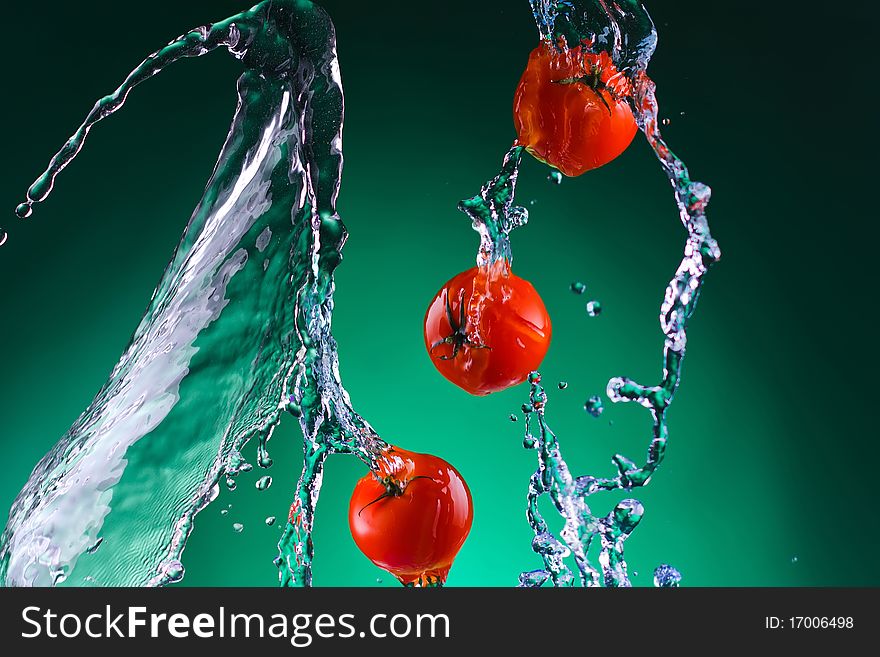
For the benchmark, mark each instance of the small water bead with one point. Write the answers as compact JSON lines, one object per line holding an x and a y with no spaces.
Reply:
{"x":24,"y":210}
{"x":270,"y":521}
{"x":562,"y":385}
{"x":527,"y":408}
{"x":555,"y":177}
{"x":594,"y":308}
{"x":534,"y":377}
{"x":230,"y":483}
{"x":263,"y":482}
{"x":238,"y":527}
{"x":794,"y":559}
{"x":594,"y":406}
{"x":3,"y":237}
{"x":530,"y":442}
{"x":665,"y":576}
{"x":666,"y":121}
{"x":378,"y":580}
{"x":224,"y":512}
{"x":512,"y":417}
{"x":263,"y":458}
{"x":578,"y":288}
{"x":173,"y":570}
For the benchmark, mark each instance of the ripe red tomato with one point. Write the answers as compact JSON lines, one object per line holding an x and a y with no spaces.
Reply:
{"x":486,"y":329}
{"x":412,"y":517}
{"x":570,"y":109}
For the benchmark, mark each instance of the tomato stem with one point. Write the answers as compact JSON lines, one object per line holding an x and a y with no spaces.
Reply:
{"x":459,"y":337}
{"x":394,"y":488}
{"x":592,"y":80}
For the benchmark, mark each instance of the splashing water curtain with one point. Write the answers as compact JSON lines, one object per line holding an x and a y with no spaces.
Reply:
{"x":266,"y":234}
{"x":624,"y":30}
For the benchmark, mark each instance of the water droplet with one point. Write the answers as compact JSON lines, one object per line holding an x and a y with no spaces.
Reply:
{"x":578,"y":288}
{"x":594,"y":406}
{"x":94,"y":548}
{"x":270,"y":521}
{"x":794,"y":559}
{"x":532,"y":202}
{"x":512,"y":417}
{"x":230,"y":483}
{"x":527,"y":408}
{"x":562,"y":385}
{"x":173,"y":570}
{"x":530,"y":442}
{"x":594,"y":308}
{"x":682,"y":114}
{"x":263,"y":458}
{"x":263,"y":482}
{"x":263,"y":239}
{"x":665,"y":576}
{"x":247,"y":467}
{"x":518,"y":215}
{"x":223,"y":512}
{"x":534,"y":377}
{"x":666,"y":121}
{"x":24,"y":210}
{"x":378,"y":580}
{"x":555,"y":177}
{"x":238,"y":527}
{"x":3,"y":237}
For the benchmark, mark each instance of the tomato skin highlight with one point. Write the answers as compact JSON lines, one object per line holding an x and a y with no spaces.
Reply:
{"x":562,"y":120}
{"x":417,"y":534}
{"x":507,"y":327}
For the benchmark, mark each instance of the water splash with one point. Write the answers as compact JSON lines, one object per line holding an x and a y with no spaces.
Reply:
{"x":171,"y":422}
{"x":623,"y":29}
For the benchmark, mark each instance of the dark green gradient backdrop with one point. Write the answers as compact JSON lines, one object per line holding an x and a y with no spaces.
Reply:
{"x":768,"y":477}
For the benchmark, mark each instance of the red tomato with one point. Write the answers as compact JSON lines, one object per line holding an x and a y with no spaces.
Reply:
{"x":571,"y":110}
{"x":412,"y":517}
{"x":486,"y":329}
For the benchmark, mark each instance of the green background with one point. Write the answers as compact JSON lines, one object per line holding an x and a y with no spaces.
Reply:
{"x":768,"y":478}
